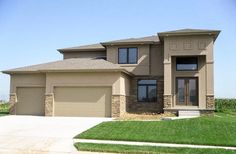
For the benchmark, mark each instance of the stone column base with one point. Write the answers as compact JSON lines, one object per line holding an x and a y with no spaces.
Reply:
{"x":118,"y":105}
{"x":49,"y":104}
{"x":167,"y":101}
{"x":210,"y":102}
{"x":12,"y":101}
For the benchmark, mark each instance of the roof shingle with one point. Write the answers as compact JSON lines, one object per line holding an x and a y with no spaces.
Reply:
{"x":74,"y":64}
{"x":147,"y":39}
{"x":90,"y":47}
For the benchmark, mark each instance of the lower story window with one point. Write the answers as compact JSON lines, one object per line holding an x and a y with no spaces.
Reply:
{"x":147,"y":90}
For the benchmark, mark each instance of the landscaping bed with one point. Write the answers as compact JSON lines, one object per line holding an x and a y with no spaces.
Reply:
{"x":144,"y":116}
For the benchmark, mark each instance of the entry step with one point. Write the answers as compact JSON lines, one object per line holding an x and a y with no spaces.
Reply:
{"x":191,"y":113}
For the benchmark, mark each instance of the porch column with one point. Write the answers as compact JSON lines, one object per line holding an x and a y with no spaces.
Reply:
{"x":167,"y":82}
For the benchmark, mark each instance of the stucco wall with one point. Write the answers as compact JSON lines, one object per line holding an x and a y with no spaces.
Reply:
{"x":188,"y":45}
{"x":141,"y":68}
{"x":84,"y":54}
{"x":85,"y":79}
{"x":156,"y":60}
{"x":201,"y":46}
{"x":119,"y":82}
{"x":27,"y":80}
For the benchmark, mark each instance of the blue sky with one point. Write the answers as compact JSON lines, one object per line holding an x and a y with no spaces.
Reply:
{"x":31,"y":30}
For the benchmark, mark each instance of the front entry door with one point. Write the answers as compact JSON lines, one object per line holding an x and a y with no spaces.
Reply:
{"x":187,"y":91}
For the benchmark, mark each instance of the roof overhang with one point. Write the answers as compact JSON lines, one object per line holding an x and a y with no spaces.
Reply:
{"x":213,"y":33}
{"x":80,"y":50}
{"x":68,"y":71}
{"x":128,"y":43}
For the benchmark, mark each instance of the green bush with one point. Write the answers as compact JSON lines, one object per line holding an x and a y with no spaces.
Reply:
{"x":4,"y":107}
{"x":222,"y":105}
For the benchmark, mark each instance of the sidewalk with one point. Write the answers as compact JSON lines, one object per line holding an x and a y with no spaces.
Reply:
{"x":153,"y":144}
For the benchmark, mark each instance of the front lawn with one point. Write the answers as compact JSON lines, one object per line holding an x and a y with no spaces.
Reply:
{"x":146,"y":149}
{"x":219,"y":129}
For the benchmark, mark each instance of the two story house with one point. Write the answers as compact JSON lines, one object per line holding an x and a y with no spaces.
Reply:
{"x":168,"y":72}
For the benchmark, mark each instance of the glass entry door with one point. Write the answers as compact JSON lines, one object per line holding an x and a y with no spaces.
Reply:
{"x":187,"y":91}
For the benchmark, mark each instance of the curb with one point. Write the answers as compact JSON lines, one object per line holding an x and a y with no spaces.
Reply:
{"x":153,"y":144}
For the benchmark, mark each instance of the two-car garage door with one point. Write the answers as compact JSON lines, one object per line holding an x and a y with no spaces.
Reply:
{"x":82,"y":101}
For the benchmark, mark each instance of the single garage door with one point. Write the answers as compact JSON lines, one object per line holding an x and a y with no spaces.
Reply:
{"x":82,"y":101}
{"x":30,"y":101}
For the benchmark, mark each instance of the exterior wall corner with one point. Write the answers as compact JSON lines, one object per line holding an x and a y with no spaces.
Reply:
{"x":210,"y":102}
{"x":118,"y":105}
{"x":12,"y":101}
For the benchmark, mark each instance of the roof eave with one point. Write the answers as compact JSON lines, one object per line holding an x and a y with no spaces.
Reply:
{"x":19,"y":72}
{"x":129,"y":43}
{"x":87,"y":70}
{"x":78,"y":50}
{"x":67,"y":70}
{"x":214,"y":33}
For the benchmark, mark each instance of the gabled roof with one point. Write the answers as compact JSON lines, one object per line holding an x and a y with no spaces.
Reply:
{"x":70,"y":65}
{"x":91,"y":47}
{"x":187,"y":31}
{"x":141,"y":40}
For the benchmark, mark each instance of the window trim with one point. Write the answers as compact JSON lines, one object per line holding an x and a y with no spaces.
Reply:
{"x":146,"y":86}
{"x":127,"y":55}
{"x":186,"y":69}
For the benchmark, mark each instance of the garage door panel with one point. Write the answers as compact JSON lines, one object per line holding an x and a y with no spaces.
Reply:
{"x":30,"y":101}
{"x":78,"y":95}
{"x":83,"y":101}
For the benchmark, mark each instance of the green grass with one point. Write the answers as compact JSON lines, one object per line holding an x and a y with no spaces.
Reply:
{"x":207,"y":130}
{"x":146,"y":149}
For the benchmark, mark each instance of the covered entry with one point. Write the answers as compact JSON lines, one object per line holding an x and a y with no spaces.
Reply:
{"x":82,"y":101}
{"x":30,"y":101}
{"x":187,"y":91}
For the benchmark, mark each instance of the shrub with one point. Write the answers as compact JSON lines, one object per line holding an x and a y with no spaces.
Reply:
{"x":222,"y":105}
{"x":4,"y":107}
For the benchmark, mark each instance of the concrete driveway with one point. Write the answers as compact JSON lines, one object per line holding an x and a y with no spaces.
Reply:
{"x":39,"y":135}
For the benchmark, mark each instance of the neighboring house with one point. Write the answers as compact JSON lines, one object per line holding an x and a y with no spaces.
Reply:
{"x":167,"y":72}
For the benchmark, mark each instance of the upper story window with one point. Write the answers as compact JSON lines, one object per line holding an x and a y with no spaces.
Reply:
{"x":127,"y":55}
{"x":186,"y":63}
{"x":147,"y":90}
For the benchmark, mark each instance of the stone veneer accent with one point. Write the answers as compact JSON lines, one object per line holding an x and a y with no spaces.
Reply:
{"x":118,"y":105}
{"x":134,"y":106}
{"x":167,"y":101}
{"x":49,"y":101}
{"x":210,"y":102}
{"x":12,"y":101}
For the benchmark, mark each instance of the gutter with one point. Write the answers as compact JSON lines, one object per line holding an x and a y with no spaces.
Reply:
{"x":67,"y":71}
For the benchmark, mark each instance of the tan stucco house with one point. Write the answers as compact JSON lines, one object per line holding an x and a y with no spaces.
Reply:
{"x":168,"y":72}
